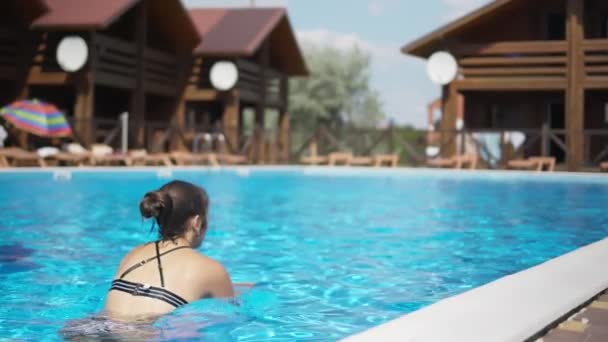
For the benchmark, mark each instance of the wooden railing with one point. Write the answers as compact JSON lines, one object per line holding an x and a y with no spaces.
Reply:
{"x":116,"y":62}
{"x":596,"y":59}
{"x":161,"y":70}
{"x":546,"y":59}
{"x":538,"y":142}
{"x":117,"y":66}
{"x":408,"y":144}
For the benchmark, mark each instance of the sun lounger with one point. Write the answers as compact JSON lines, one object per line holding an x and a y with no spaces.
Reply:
{"x":104,"y":155}
{"x":143,"y":158}
{"x":340,"y":158}
{"x":314,"y":160}
{"x":188,"y":158}
{"x":456,"y":162}
{"x":390,"y":160}
{"x":71,"y":158}
{"x":362,"y":161}
{"x":378,"y":160}
{"x":18,"y":157}
{"x":533,"y":163}
{"x":232,"y":159}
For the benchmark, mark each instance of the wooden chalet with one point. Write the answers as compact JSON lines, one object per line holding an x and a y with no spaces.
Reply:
{"x":539,"y":67}
{"x":262,"y":44}
{"x":138,"y":53}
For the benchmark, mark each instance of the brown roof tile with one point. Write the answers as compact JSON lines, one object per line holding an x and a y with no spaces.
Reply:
{"x":169,"y":16}
{"x":239,"y":32}
{"x":82,"y":13}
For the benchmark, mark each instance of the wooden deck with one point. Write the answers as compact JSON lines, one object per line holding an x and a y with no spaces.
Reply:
{"x":588,"y":325}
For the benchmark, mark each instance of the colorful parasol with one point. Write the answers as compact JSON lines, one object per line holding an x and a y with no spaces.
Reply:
{"x":37,"y":117}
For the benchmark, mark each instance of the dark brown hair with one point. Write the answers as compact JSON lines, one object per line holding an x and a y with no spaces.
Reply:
{"x":173,"y":205}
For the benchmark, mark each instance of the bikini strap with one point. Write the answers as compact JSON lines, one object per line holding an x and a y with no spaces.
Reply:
{"x":160,"y":267}
{"x":143,"y":262}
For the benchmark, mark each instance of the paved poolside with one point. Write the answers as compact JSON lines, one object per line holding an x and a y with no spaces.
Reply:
{"x":588,"y":325}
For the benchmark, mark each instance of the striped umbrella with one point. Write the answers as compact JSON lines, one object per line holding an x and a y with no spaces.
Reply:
{"x":37,"y":117}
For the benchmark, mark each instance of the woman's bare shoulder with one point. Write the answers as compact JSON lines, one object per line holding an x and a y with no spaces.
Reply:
{"x":206,"y":262}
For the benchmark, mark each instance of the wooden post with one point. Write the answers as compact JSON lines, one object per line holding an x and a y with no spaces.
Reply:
{"x":260,"y":108}
{"x":575,"y":93}
{"x":84,"y":106}
{"x":544,"y":136}
{"x":138,"y":99}
{"x":448,"y":121}
{"x":283,"y":141}
{"x":185,"y":71}
{"x":231,"y":119}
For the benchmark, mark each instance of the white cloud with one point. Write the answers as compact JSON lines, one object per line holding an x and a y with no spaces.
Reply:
{"x":401,"y":81}
{"x":381,"y":52}
{"x":235,"y":3}
{"x":375,"y":8}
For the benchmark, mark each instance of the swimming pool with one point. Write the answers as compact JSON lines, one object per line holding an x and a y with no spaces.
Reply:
{"x":334,"y":252}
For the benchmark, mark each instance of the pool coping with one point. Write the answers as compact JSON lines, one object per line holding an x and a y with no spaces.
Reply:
{"x":334,"y":170}
{"x":517,"y":307}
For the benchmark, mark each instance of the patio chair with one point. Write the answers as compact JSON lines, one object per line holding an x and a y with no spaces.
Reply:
{"x":533,"y":163}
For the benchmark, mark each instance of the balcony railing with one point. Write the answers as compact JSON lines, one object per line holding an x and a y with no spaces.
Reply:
{"x":596,"y":60}
{"x":546,"y":59}
{"x":117,"y":66}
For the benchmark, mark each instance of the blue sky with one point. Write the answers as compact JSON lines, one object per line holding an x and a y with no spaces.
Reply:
{"x":380,"y":27}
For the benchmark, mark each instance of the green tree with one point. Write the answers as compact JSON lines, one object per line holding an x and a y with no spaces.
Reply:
{"x":337,"y":90}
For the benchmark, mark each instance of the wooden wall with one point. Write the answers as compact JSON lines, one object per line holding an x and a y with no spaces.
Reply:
{"x":508,"y":110}
{"x":525,"y":20}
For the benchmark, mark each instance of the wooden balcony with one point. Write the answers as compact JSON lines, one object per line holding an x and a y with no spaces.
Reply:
{"x":596,"y":63}
{"x":515,"y":61}
{"x":117,"y":66}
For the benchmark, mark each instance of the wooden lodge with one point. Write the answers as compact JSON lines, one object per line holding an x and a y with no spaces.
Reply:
{"x":262,"y":44}
{"x":137,"y":53}
{"x":539,"y":67}
{"x":147,"y":58}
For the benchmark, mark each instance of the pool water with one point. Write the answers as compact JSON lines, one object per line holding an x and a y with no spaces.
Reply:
{"x":333,"y":254}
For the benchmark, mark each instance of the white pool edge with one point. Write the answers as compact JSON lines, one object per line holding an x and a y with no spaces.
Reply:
{"x":510,"y":309}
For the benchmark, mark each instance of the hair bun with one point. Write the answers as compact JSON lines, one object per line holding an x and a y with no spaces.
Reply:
{"x":154,"y":204}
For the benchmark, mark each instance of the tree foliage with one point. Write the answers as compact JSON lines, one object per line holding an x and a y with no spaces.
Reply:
{"x":337,"y":91}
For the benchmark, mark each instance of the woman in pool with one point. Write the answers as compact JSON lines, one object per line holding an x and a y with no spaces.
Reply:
{"x":155,"y":278}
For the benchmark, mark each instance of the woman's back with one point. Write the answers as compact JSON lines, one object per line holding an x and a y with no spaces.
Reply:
{"x":186,"y":277}
{"x":155,"y":278}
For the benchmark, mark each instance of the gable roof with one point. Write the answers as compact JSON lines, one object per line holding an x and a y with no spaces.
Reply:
{"x":239,"y":32}
{"x":75,"y":14}
{"x":425,"y":46}
{"x":170,"y":15}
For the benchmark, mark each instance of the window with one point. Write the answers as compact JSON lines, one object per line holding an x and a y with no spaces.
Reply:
{"x":604,"y":25}
{"x":556,"y":26}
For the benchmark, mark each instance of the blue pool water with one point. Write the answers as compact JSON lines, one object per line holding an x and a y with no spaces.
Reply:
{"x":333,"y":254}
